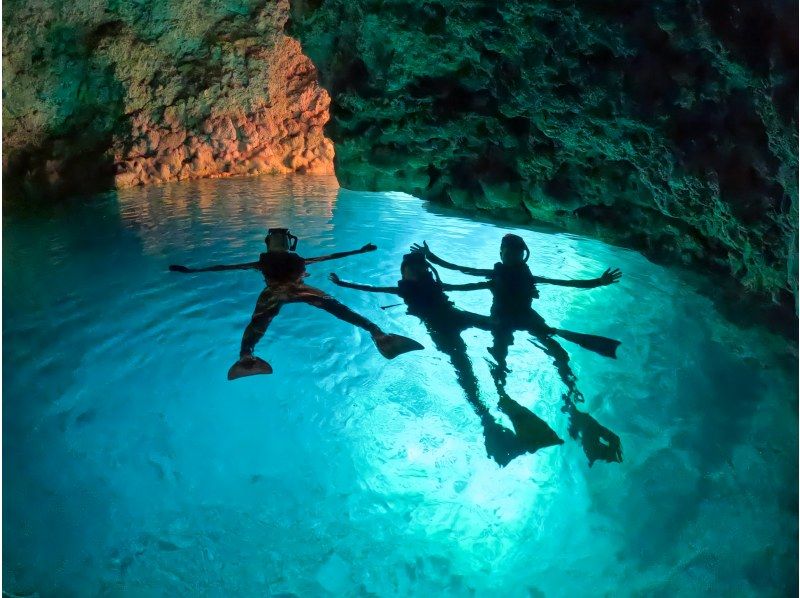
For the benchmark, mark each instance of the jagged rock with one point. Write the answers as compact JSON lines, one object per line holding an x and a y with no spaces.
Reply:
{"x":125,"y":94}
{"x":669,"y":127}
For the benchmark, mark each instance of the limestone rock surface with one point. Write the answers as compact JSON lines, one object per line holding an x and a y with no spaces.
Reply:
{"x":667,"y":126}
{"x":99,"y":93}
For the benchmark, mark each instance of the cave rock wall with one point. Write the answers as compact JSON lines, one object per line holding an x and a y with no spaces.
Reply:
{"x":669,"y":127}
{"x":100,"y":93}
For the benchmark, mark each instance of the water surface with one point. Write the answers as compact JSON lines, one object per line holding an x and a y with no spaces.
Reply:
{"x":132,"y":467}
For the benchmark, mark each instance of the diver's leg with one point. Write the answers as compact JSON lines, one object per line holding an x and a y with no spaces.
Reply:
{"x":389,"y":345}
{"x":454,"y":347}
{"x":267,"y":307}
{"x":532,"y":432}
{"x":598,"y":442}
{"x":561,"y":360}
{"x":501,"y":444}
{"x":468,"y":319}
{"x":502,"y":338}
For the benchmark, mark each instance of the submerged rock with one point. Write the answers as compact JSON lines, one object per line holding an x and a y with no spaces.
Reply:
{"x":667,"y":127}
{"x":121,"y":93}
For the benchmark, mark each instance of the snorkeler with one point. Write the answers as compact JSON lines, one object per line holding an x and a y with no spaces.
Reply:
{"x":423,"y":293}
{"x":513,"y":288}
{"x":283,"y":272}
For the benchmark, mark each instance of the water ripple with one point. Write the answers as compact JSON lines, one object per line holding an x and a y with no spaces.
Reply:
{"x":342,"y":470}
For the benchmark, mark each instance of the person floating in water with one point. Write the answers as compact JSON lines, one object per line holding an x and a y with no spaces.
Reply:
{"x":283,"y":272}
{"x":423,"y":293}
{"x":513,"y":289}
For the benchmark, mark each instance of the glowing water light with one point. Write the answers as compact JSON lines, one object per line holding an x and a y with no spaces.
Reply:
{"x":133,"y":467}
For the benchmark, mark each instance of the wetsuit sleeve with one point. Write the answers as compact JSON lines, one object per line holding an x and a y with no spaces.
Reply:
{"x":366,"y":287}
{"x":248,"y":266}
{"x":335,"y":256}
{"x":472,"y":286}
{"x":466,"y":270}
{"x":578,"y":284}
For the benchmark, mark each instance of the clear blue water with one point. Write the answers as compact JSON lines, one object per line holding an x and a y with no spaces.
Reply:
{"x":132,"y":467}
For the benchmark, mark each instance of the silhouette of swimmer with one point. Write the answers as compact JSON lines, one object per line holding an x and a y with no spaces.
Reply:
{"x":283,"y":272}
{"x":423,"y":293}
{"x":513,"y":288}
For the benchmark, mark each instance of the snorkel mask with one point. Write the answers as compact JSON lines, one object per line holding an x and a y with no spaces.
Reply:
{"x":515,"y":242}
{"x":273,"y":233}
{"x":417,"y":260}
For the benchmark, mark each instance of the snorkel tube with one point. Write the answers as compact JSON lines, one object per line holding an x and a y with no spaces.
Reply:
{"x":283,"y":232}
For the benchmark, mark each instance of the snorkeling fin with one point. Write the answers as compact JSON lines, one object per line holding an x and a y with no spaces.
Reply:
{"x":598,"y":442}
{"x":392,"y":345}
{"x":531,"y":430}
{"x":249,"y":366}
{"x":599,"y":344}
{"x":502,"y":445}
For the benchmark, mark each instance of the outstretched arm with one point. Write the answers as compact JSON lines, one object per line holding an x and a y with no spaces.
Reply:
{"x":429,"y":255}
{"x":362,"y":287}
{"x":336,"y":256}
{"x":610,"y":276}
{"x":472,"y":286}
{"x":248,"y":266}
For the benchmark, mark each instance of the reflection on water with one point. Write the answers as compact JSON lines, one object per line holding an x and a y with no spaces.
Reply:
{"x":133,"y":467}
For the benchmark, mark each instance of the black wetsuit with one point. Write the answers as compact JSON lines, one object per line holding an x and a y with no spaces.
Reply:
{"x":427,"y":301}
{"x":513,"y":290}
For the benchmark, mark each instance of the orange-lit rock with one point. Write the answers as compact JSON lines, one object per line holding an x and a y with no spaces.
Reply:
{"x":102,"y":96}
{"x":282,"y":135}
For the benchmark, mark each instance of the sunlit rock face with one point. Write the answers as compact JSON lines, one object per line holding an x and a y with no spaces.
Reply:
{"x":122,"y":93}
{"x":669,"y":127}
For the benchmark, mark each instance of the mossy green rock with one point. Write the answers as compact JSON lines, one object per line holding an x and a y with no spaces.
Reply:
{"x":670,"y":127}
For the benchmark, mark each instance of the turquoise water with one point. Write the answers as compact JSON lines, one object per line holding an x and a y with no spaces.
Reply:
{"x":132,"y":467}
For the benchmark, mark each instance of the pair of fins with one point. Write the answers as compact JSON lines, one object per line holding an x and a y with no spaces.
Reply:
{"x":389,"y":345}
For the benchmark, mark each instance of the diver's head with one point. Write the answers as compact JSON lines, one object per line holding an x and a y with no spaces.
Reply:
{"x":280,"y":239}
{"x":415,"y":267}
{"x":513,"y":250}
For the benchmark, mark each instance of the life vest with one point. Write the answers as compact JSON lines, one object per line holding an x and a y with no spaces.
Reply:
{"x":513,"y":288}
{"x":425,"y":299}
{"x":282,"y":266}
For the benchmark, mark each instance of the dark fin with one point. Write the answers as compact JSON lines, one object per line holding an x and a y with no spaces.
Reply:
{"x":599,"y":344}
{"x":392,"y":345}
{"x":502,"y":445}
{"x":532,"y":431}
{"x":598,"y":442}
{"x":251,"y":366}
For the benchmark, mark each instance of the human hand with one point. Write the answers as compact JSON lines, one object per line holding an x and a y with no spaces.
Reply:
{"x":369,"y":247}
{"x":174,"y":268}
{"x":334,"y":278}
{"x":423,"y":249}
{"x":610,"y":276}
